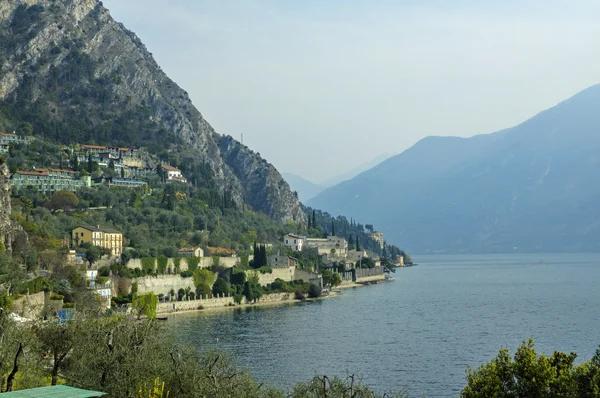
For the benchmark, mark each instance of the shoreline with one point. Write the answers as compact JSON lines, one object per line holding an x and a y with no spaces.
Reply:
{"x":337,"y":291}
{"x":247,"y":305}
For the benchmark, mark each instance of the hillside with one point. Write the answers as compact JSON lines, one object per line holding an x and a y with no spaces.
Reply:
{"x":69,"y":73}
{"x":530,"y":188}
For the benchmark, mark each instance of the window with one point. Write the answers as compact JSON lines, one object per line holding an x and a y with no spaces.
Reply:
{"x":294,"y":241}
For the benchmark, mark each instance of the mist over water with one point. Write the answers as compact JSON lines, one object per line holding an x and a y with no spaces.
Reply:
{"x":420,"y":331}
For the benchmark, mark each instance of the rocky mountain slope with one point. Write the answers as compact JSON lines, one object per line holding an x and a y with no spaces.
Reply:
{"x":70,"y":73}
{"x":306,"y":189}
{"x":11,"y":233}
{"x":531,"y":188}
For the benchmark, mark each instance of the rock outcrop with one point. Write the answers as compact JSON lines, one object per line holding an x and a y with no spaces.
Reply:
{"x":75,"y":74}
{"x":10,"y":232}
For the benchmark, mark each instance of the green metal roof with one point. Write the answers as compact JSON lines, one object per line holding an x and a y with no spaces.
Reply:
{"x":54,"y":392}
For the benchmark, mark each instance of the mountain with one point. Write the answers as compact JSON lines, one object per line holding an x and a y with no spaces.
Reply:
{"x":70,"y":73}
{"x":530,"y":188}
{"x":355,"y":171}
{"x":306,"y":189}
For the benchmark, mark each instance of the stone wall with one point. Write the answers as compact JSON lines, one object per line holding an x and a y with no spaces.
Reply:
{"x":311,"y":277}
{"x":369,"y":274}
{"x":217,"y":302}
{"x":31,"y":305}
{"x":162,"y":284}
{"x":205,"y":262}
{"x":286,"y":274}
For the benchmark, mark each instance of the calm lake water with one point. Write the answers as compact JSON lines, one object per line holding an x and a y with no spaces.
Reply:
{"x":418,"y":332}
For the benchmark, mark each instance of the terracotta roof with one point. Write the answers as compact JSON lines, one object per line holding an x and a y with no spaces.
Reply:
{"x":94,"y":146}
{"x":8,"y":135}
{"x":221,"y":250}
{"x":31,"y":173}
{"x":62,"y":171}
{"x":170,"y":168}
{"x":294,"y":236}
{"x":101,"y":229}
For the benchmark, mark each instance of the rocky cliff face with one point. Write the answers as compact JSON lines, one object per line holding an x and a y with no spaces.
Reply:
{"x":9,"y":231}
{"x":76,"y":75}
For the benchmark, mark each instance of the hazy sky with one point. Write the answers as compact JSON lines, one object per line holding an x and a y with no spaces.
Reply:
{"x":319,"y":87}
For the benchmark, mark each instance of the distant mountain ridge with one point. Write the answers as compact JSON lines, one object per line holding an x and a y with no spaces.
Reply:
{"x":530,"y":188}
{"x":70,"y":73}
{"x":307,"y":189}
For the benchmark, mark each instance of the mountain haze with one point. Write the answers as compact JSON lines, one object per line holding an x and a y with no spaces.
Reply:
{"x":530,"y":188}
{"x":70,"y":73}
{"x":306,"y":189}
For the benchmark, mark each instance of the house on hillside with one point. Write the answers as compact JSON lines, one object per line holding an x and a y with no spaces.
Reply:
{"x":103,"y":237}
{"x":332,"y":246}
{"x":293,"y":241}
{"x":191,"y":252}
{"x":173,"y":173}
{"x":6,"y":138}
{"x":280,"y":260}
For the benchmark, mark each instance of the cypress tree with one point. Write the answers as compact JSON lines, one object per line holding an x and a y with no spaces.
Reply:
{"x":332,"y":227}
{"x":357,"y":244}
{"x":314,"y":220}
{"x":75,"y":162}
{"x":308,"y":223}
{"x":90,"y":164}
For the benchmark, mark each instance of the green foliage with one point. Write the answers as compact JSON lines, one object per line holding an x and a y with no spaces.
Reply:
{"x":237,"y":298}
{"x":265,"y":270}
{"x":531,"y":375}
{"x":192,"y":263}
{"x":203,"y":291}
{"x":252,"y":289}
{"x":238,"y":277}
{"x":324,"y":387}
{"x":314,"y":291}
{"x":204,"y":277}
{"x":92,"y":254}
{"x":145,"y":304}
{"x":6,"y":303}
{"x":64,"y":200}
{"x":35,"y":286}
{"x":220,"y":287}
{"x":148,"y":264}
{"x":162,"y":262}
{"x":177,"y":264}
{"x":215,"y":261}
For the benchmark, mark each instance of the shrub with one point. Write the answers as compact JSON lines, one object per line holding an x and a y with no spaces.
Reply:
{"x":104,"y":271}
{"x":55,"y":296}
{"x":69,"y":305}
{"x":238,"y":277}
{"x":192,"y":263}
{"x":187,"y":274}
{"x":238,"y":298}
{"x":314,"y":291}
{"x":177,"y":264}
{"x":265,"y":270}
{"x":148,"y":264}
{"x":220,"y":287}
{"x":203,"y":291}
{"x":162,"y":262}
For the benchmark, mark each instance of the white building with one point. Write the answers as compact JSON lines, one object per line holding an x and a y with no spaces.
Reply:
{"x":332,"y":246}
{"x":293,"y":241}
{"x":173,"y":173}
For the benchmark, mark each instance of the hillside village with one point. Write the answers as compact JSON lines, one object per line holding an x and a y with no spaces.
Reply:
{"x":193,"y":276}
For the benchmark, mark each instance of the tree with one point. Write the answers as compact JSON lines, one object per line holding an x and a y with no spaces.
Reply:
{"x":220,"y":287}
{"x":370,"y":228}
{"x":56,"y":341}
{"x":332,"y":227}
{"x":145,"y":304}
{"x":92,"y":254}
{"x":203,"y":291}
{"x":357,"y":244}
{"x":65,"y":200}
{"x":111,"y":164}
{"x":314,"y":219}
{"x":204,"y":277}
{"x":75,"y":162}
{"x":331,"y":278}
{"x":531,"y":375}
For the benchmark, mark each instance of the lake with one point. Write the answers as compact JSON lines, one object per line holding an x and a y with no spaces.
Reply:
{"x":420,"y":331}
